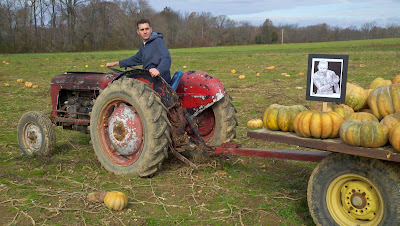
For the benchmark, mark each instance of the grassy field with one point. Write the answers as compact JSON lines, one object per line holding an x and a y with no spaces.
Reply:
{"x":233,"y":191}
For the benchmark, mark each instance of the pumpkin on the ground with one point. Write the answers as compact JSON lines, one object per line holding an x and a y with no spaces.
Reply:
{"x":255,"y":124}
{"x":394,"y":137}
{"x":391,"y":120}
{"x":116,"y":200}
{"x":356,"y":96}
{"x":342,"y":109}
{"x":28,"y":84}
{"x":364,"y":133}
{"x":364,"y":116}
{"x":279,"y":117}
{"x":317,"y":124}
{"x":385,"y":100}
{"x":378,"y":82}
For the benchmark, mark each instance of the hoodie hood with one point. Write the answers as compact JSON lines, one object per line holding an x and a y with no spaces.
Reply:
{"x":155,"y":35}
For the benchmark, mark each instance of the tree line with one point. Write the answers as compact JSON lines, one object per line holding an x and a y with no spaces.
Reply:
{"x":94,"y":25}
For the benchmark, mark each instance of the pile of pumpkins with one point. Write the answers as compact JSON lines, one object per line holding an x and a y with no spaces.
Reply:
{"x":369,"y":118}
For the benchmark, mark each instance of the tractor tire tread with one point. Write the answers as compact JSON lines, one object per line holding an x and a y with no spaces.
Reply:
{"x":46,"y":127}
{"x":153,"y":153}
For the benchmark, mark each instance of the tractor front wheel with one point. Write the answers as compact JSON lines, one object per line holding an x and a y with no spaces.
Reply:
{"x":352,"y":190}
{"x":36,"y":134}
{"x":217,"y":124}
{"x":129,"y":128}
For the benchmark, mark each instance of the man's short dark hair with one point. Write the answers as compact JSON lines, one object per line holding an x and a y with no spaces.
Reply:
{"x":143,"y":21}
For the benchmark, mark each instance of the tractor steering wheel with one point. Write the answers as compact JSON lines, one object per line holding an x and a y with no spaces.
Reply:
{"x":118,"y":72}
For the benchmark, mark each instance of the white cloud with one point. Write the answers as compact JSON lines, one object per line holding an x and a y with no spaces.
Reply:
{"x":342,"y":13}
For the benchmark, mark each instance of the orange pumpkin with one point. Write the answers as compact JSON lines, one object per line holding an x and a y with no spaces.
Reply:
{"x":391,"y":120}
{"x":116,"y":200}
{"x":279,"y":117}
{"x":394,"y":137}
{"x":396,"y":79}
{"x":255,"y":124}
{"x":342,"y":109}
{"x":28,"y":84}
{"x":385,"y":100}
{"x":364,"y":133}
{"x":317,"y":124}
{"x":364,"y":116}
{"x":378,"y":82}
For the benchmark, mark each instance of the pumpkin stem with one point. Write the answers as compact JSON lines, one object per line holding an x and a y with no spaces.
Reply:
{"x":324,"y":106}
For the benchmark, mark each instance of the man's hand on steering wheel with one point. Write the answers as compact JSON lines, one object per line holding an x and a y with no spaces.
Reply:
{"x":154,"y":72}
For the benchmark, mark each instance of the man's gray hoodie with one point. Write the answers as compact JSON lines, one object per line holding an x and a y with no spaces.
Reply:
{"x":152,"y":54}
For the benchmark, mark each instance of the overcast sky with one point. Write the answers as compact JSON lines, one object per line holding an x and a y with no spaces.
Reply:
{"x":343,"y":13}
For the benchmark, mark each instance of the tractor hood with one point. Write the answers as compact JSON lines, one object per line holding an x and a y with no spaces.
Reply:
{"x":82,"y":80}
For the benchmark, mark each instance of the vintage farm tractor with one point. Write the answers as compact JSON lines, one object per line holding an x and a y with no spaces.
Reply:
{"x":133,"y":118}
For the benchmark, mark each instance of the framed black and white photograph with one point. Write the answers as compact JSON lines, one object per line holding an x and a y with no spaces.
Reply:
{"x":327,"y":77}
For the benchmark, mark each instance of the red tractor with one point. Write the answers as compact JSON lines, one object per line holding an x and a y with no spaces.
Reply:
{"x":133,"y":119}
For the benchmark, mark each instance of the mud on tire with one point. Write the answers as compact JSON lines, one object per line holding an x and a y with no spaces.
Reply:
{"x":151,"y":119}
{"x":225,"y":122}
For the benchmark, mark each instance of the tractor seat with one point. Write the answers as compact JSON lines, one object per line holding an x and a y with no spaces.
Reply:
{"x":175,"y":79}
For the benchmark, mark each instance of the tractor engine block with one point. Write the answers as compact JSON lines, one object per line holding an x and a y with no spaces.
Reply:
{"x":74,"y":108}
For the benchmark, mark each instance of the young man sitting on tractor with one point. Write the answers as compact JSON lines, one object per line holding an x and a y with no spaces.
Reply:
{"x":153,"y":53}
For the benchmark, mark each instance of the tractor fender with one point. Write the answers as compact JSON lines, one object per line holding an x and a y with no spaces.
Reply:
{"x":199,"y":90}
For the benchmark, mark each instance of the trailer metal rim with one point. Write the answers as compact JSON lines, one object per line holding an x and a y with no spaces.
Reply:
{"x":353,"y":199}
{"x":32,"y":137}
{"x":120,"y":132}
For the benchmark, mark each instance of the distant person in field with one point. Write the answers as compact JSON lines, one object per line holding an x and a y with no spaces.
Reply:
{"x":325,"y":80}
{"x":153,"y":53}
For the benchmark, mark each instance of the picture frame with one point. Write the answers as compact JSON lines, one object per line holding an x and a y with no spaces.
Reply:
{"x":327,"y":77}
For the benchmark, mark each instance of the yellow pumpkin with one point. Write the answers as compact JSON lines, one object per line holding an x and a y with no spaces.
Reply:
{"x":255,"y":124}
{"x":20,"y":80}
{"x":394,"y":137}
{"x":356,"y":96}
{"x":35,"y":86}
{"x":116,"y":200}
{"x":28,"y":84}
{"x":391,"y":120}
{"x":6,"y":84}
{"x":317,"y":124}
{"x":378,"y":82}
{"x":279,"y":117}
{"x":364,"y":116}
{"x":366,"y":110}
{"x":342,"y":109}
{"x":242,"y":77}
{"x":385,"y":100}
{"x":364,"y":133}
{"x":396,"y":79}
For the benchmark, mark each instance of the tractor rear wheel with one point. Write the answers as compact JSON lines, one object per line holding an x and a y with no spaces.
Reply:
{"x":36,"y":134}
{"x":217,"y":125}
{"x":352,"y":190}
{"x":129,"y":128}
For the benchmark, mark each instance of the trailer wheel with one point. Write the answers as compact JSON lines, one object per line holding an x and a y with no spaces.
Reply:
{"x":129,"y":128}
{"x":352,"y":190}
{"x":217,"y":125}
{"x":36,"y":134}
